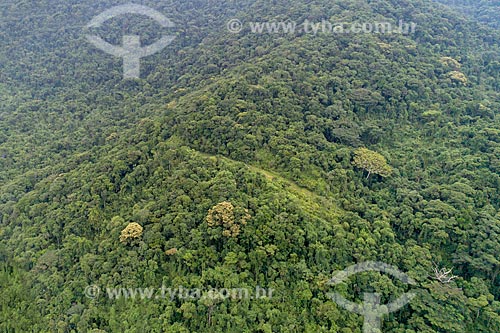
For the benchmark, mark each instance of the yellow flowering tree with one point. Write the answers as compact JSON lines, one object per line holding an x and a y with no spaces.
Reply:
{"x":131,"y":232}
{"x":224,"y":214}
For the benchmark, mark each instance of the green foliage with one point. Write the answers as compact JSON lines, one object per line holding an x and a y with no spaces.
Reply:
{"x":484,"y":11}
{"x":268,"y":124}
{"x":372,"y":162}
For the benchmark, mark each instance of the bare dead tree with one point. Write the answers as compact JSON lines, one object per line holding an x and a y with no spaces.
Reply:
{"x":443,"y":275}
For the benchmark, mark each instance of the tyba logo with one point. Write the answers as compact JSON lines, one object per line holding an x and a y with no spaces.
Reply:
{"x":131,"y":51}
{"x":371,"y":308}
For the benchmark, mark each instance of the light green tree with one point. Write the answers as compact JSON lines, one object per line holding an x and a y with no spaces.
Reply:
{"x":372,"y":162}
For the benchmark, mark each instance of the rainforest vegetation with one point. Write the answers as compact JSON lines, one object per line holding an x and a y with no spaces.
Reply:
{"x":249,"y":160}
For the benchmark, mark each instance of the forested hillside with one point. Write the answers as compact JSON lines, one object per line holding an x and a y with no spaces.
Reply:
{"x":484,"y":11}
{"x":248,"y":160}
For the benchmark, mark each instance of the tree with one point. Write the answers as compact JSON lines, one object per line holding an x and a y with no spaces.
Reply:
{"x":372,"y":162}
{"x":223,"y":214}
{"x":131,"y":232}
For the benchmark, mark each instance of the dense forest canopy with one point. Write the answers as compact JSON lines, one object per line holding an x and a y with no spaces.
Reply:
{"x":483,"y":11}
{"x":251,"y":161}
